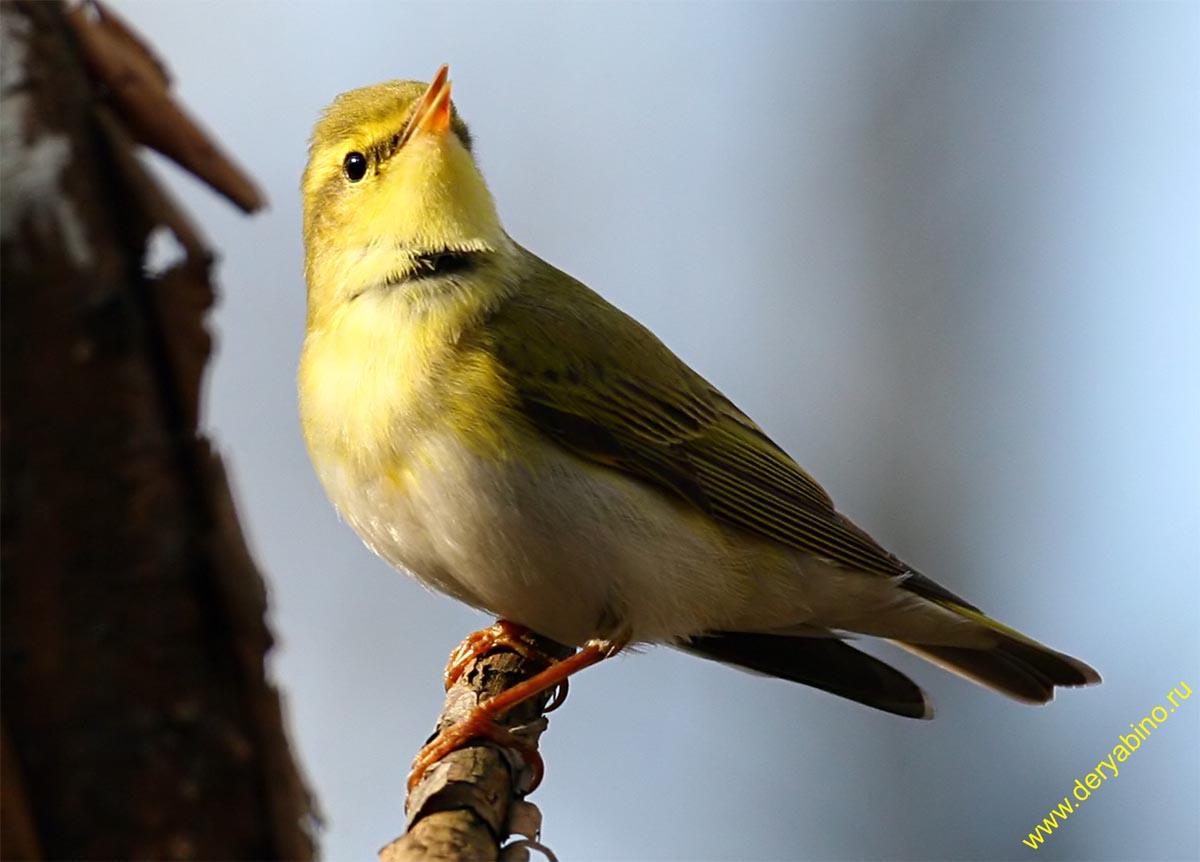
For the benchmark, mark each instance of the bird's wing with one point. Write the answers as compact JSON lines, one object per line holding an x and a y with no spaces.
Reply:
{"x":596,"y":382}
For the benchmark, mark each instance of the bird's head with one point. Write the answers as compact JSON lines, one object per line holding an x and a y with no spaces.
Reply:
{"x":392,"y":193}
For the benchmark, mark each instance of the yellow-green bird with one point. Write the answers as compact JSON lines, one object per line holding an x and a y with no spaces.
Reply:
{"x":497,"y":429}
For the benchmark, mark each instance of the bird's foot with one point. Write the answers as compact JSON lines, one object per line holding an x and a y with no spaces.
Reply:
{"x":481,"y":723}
{"x":503,"y":633}
{"x":478,"y":725}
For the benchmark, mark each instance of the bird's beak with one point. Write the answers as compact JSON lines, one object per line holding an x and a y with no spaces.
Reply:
{"x":433,"y":111}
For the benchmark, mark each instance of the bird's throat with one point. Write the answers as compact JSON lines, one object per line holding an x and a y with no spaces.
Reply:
{"x":437,"y":264}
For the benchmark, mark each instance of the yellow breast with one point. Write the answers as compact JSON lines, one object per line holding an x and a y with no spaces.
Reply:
{"x":384,"y":372}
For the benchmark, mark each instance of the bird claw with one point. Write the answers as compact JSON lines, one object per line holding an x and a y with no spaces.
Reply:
{"x":478,"y":725}
{"x":481,"y":723}
{"x":501,"y":634}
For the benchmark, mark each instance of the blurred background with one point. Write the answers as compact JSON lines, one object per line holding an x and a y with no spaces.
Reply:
{"x":946,"y":254}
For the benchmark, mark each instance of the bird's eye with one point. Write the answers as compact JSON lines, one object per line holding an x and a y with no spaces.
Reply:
{"x":354,"y":166}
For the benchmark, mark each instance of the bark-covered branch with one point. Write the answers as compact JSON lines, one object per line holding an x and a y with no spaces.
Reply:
{"x":468,"y":805}
{"x":138,"y":722}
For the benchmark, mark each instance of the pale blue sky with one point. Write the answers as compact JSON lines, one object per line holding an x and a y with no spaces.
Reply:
{"x":946,"y":254}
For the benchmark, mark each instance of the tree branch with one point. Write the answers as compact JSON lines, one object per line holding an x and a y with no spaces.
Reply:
{"x":467,"y":806}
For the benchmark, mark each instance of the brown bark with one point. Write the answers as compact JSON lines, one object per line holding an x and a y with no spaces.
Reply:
{"x":468,"y":805}
{"x":138,"y":722}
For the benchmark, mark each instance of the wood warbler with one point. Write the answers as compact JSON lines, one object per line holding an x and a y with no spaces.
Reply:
{"x":492,"y":426}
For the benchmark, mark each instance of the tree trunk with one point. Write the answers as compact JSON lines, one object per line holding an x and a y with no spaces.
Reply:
{"x":138,"y":722}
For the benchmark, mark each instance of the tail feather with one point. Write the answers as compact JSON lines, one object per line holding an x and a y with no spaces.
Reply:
{"x":826,"y":663}
{"x":994,"y":656}
{"x":1015,"y":665}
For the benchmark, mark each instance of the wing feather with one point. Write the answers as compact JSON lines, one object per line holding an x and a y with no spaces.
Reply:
{"x":602,"y":386}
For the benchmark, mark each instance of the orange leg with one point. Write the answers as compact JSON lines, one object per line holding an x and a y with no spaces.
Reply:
{"x":503,"y":633}
{"x":481,"y":722}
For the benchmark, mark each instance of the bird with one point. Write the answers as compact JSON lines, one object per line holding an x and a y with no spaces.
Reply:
{"x":495,"y":428}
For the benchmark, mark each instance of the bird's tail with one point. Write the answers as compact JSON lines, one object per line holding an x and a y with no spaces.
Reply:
{"x":826,"y":663}
{"x":1013,"y":664}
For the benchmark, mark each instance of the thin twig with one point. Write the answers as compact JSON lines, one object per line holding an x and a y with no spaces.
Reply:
{"x":468,"y":805}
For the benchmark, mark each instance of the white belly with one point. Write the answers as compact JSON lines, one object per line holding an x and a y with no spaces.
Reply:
{"x":573,"y":551}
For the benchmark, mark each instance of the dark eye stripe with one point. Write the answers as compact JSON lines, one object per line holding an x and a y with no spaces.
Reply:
{"x":386,"y":148}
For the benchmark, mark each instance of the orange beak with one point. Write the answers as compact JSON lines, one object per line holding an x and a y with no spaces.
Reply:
{"x":433,"y":111}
